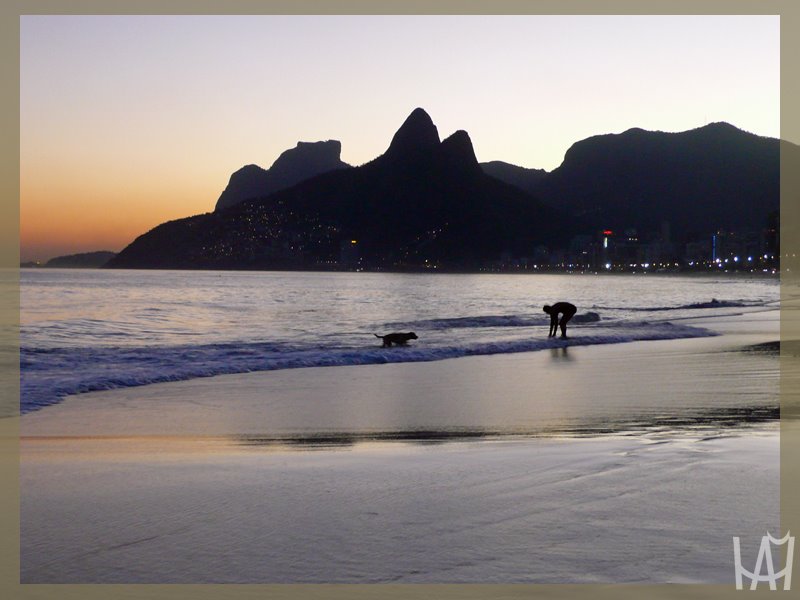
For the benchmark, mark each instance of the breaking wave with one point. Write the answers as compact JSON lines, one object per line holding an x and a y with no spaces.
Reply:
{"x":49,"y":375}
{"x":713,"y":303}
{"x":487,"y":321}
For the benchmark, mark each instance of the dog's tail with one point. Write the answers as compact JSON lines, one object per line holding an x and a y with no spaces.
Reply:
{"x":378,"y":336}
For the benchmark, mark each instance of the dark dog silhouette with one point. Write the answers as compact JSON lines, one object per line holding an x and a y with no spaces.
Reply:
{"x":396,"y":338}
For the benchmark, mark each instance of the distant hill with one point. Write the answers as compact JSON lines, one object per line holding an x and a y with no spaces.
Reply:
{"x":306,"y":160}
{"x":699,"y":180}
{"x":522,"y":177}
{"x":86,"y":260}
{"x":423,"y":203}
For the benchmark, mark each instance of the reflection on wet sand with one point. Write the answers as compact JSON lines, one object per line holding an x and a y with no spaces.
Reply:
{"x":714,"y":422}
{"x":561,"y":354}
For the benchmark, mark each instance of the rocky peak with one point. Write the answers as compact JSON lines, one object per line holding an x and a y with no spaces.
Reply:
{"x":457,"y":151}
{"x":417,"y":133}
{"x":311,"y":157}
{"x":297,"y":164}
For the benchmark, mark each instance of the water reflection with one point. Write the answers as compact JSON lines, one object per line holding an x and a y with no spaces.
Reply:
{"x":561,"y":354}
{"x":715,"y":422}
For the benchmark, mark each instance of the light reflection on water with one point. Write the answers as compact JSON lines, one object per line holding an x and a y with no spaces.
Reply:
{"x":89,"y":308}
{"x":98,"y":330}
{"x":707,"y":423}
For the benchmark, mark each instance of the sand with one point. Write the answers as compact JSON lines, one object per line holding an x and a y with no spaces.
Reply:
{"x":629,"y":463}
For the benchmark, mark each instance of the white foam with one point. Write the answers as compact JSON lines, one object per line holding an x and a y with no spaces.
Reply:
{"x":50,"y":375}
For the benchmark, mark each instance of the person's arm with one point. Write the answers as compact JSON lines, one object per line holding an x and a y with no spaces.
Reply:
{"x":553,"y":323}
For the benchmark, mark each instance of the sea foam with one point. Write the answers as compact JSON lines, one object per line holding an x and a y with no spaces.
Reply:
{"x":49,"y":375}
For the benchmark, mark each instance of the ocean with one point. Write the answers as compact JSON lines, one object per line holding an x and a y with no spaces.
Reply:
{"x":90,"y":330}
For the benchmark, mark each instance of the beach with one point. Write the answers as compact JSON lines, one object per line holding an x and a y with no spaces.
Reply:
{"x":629,"y":462}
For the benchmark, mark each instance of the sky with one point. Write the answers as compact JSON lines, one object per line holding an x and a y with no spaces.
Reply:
{"x":130,"y":121}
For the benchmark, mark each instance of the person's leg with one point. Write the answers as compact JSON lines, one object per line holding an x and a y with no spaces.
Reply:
{"x":564,"y":320}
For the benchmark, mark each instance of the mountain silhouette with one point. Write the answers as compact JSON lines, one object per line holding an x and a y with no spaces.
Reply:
{"x":84,"y":260}
{"x":423,"y":203}
{"x":417,"y":135}
{"x":304,"y":161}
{"x":702,"y":180}
{"x":525,"y":179}
{"x":428,"y":203}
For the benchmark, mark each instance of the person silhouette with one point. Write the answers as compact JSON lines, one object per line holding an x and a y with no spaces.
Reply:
{"x":566,"y":310}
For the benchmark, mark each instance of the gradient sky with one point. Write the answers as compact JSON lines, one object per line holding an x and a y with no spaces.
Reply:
{"x":129,"y":121}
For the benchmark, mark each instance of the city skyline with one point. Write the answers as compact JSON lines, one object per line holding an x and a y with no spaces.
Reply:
{"x":127,"y":122}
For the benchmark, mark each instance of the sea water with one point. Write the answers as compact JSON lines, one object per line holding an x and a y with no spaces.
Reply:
{"x":88,"y":330}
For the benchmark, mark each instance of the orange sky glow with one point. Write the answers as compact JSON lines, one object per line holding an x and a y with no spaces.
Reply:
{"x":129,"y":121}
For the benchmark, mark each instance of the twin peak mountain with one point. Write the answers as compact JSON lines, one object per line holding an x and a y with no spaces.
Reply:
{"x":416,"y":139}
{"x":428,"y":202}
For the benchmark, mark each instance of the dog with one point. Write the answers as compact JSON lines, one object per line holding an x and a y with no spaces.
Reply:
{"x":401,"y":339}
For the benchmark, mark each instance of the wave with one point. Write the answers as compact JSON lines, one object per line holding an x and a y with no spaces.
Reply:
{"x":713,"y":303}
{"x":49,"y":375}
{"x":486,"y":321}
{"x":586,"y":317}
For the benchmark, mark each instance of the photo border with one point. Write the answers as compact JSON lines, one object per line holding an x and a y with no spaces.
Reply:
{"x":789,"y":11}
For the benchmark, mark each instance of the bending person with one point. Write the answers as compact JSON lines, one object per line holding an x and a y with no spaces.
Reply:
{"x":566,"y":310}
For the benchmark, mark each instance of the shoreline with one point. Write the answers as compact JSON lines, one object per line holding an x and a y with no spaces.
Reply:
{"x":363,"y":400}
{"x":709,"y":271}
{"x":293,"y":476}
{"x":140,"y":344}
